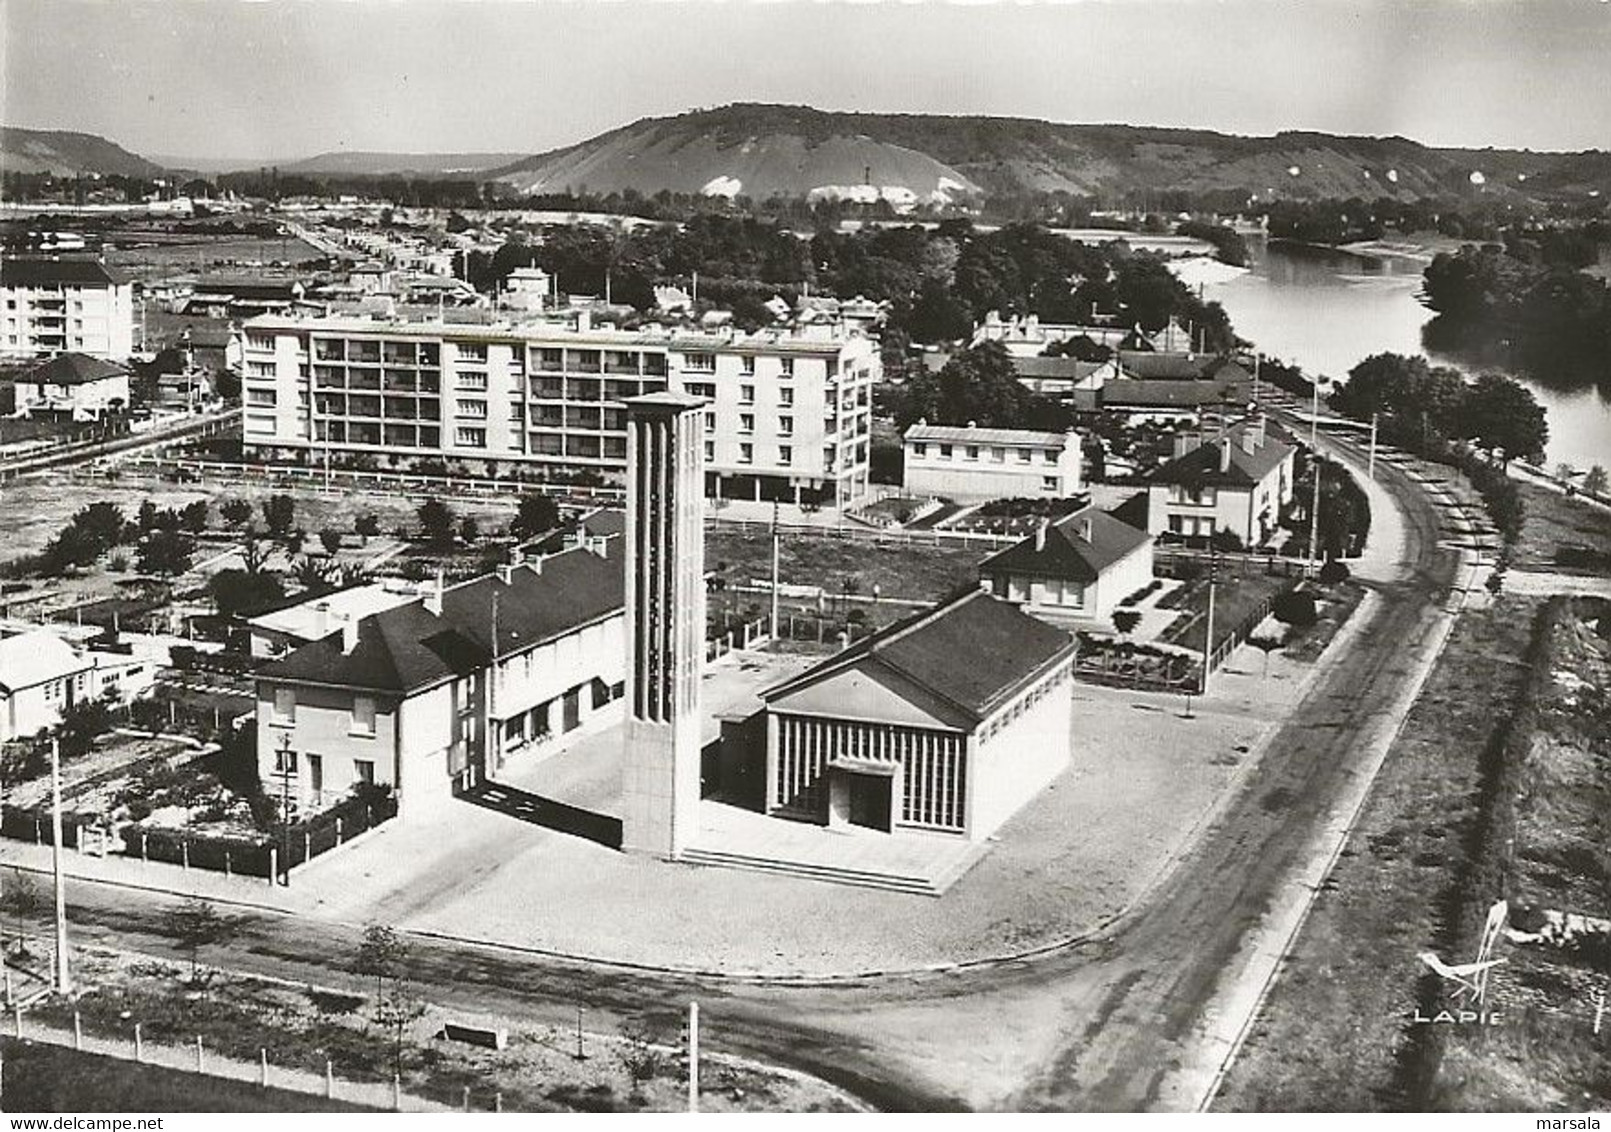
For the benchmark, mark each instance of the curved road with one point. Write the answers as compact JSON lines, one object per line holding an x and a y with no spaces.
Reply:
{"x":1103,"y":1025}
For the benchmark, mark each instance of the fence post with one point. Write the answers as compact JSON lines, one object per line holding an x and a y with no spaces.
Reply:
{"x":139,"y":1046}
{"x":274,"y":865}
{"x":338,"y":831}
{"x":198,"y":1054}
{"x":497,"y":1102}
{"x":397,"y":1093}
{"x":329,"y":1080}
{"x":184,"y":852}
{"x":16,"y":1019}
{"x":467,"y":1098}
{"x":307,"y":845}
{"x":262,"y":1077}
{"x":78,"y":1030}
{"x":227,"y":871}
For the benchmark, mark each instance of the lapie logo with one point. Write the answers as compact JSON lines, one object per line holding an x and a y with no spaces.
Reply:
{"x":1468,"y":982}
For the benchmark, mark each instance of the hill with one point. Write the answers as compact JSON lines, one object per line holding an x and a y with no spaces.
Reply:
{"x":357,"y":163}
{"x":64,"y":153}
{"x":760,"y":150}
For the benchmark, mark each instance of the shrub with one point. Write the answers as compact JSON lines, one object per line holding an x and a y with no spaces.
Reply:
{"x":1334,"y":571}
{"x":1295,"y":607}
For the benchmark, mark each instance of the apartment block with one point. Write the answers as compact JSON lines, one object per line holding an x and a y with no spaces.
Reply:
{"x":53,"y":306}
{"x":789,"y":415}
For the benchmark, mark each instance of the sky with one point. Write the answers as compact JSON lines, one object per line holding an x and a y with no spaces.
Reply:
{"x":280,"y":79}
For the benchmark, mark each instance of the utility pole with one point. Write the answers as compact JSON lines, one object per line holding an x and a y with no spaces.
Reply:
{"x":64,"y":975}
{"x":1370,"y":473}
{"x":1314,"y":459}
{"x":693,"y":1057}
{"x":774,"y":627}
{"x":1208,"y":632}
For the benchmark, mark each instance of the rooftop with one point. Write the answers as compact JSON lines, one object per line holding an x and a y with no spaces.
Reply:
{"x":973,"y":651}
{"x":71,"y":369}
{"x":30,"y":659}
{"x":1078,"y":547}
{"x":1226,"y":461}
{"x":54,"y":272}
{"x":952,"y":434}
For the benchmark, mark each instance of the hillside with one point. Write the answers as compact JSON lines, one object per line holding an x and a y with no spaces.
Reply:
{"x":759,"y":150}
{"x":63,"y":153}
{"x":356,"y":163}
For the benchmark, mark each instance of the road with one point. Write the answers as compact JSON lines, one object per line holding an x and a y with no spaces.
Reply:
{"x":1108,"y":1024}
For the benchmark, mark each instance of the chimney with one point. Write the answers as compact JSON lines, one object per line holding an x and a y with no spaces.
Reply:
{"x":321,"y":623}
{"x":506,"y":573}
{"x":1258,"y":424}
{"x":1249,"y":440}
{"x":1224,"y":455}
{"x":349,"y":635}
{"x":433,"y":598}
{"x":1040,"y":534}
{"x":1085,"y":529}
{"x":1186,"y":441}
{"x":600,"y":545}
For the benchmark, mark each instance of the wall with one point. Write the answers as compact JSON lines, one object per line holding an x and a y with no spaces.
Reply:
{"x":1025,"y":754}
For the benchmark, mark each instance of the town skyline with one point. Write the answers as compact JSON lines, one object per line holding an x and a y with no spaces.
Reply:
{"x":278,"y":82}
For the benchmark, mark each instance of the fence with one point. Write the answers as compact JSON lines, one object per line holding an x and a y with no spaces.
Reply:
{"x":1244,"y":629}
{"x":38,"y":460}
{"x":863,"y":534}
{"x":1182,"y":561}
{"x":1180,"y":673}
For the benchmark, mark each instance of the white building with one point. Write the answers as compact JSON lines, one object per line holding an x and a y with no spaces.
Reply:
{"x":51,"y":306}
{"x":73,"y":387}
{"x":438,"y":693}
{"x":1235,"y":483}
{"x":1081,"y":565}
{"x":278,"y":632}
{"x":42,"y":676}
{"x":974,"y":464}
{"x":789,"y":419}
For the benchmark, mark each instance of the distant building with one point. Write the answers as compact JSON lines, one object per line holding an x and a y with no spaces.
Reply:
{"x":1082,"y":565}
{"x":282,"y":630}
{"x":972,"y":464}
{"x":74,"y":387}
{"x":1237,"y":483}
{"x":1029,"y":336}
{"x":437,"y":693}
{"x":947,"y":722}
{"x":789,"y":419}
{"x":52,"y":306}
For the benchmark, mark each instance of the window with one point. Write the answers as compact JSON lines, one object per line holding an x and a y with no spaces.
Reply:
{"x":470,"y":437}
{"x":746,"y":394}
{"x":746,"y":422}
{"x":253,"y":341}
{"x":786,"y":426}
{"x":1024,"y":455}
{"x":1048,"y":483}
{"x":363,"y":771}
{"x":473,"y":409}
{"x":785,"y":453}
{"x":920,"y":449}
{"x":700,"y":389}
{"x":746,"y":453}
{"x":260,"y":396}
{"x":363,"y":716}
{"x":746,"y":365}
{"x":788,"y":367}
{"x":472,"y":379}
{"x":945,"y":451}
{"x":284,"y":761}
{"x":472,"y":351}
{"x":999,"y":455}
{"x":551,"y":359}
{"x":1048,"y":456}
{"x":710,"y":422}
{"x":285,"y":705}
{"x":705,"y":363}
{"x":973,"y":451}
{"x":785,"y":397}
{"x":710,"y":451}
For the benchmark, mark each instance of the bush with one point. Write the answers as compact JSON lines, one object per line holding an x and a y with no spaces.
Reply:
{"x":1295,"y":607}
{"x":1335,"y":570}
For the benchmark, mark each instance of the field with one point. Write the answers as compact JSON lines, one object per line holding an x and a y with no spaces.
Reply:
{"x":1235,"y":599}
{"x":175,"y":255}
{"x":1554,"y":522}
{"x":920,"y":572}
{"x":46,"y":1078}
{"x":1334,"y":1031}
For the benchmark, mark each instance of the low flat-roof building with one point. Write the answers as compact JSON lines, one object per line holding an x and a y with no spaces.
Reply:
{"x":946,"y":722}
{"x":1081,"y":565}
{"x":975,"y":464}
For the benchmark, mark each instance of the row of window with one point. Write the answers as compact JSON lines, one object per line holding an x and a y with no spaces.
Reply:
{"x":1052,"y":683}
{"x":998,"y":455}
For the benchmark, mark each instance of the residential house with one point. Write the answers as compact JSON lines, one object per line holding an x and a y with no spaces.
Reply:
{"x":74,"y":387}
{"x":974,"y":464}
{"x":1237,"y":483}
{"x":1081,"y":565}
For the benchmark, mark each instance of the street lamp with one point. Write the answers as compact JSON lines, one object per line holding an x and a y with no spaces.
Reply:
{"x":287,"y":761}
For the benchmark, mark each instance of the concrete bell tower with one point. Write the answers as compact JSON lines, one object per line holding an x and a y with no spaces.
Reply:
{"x":665,"y":612}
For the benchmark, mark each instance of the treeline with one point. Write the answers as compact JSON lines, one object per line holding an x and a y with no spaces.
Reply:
{"x":1525,"y":305}
{"x":938,"y":281}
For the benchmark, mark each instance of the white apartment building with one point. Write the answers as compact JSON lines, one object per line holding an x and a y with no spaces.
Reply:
{"x":52,"y":306}
{"x":789,"y":419}
{"x":975,"y":464}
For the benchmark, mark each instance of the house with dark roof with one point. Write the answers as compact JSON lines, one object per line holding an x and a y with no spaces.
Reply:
{"x":434,"y":694}
{"x":944,"y":723}
{"x":74,"y":387}
{"x":1080,"y":566}
{"x":50,"y":305}
{"x":1237,"y":482}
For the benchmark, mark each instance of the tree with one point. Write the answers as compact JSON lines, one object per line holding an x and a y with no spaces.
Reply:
{"x":82,"y":724}
{"x":366,"y":526}
{"x":279,"y":513}
{"x":147,"y":517}
{"x":1296,"y":608}
{"x":382,"y":955}
{"x":235,"y":512}
{"x":1502,"y":414}
{"x":73,"y":548}
{"x":535,"y":515}
{"x":238,"y":591}
{"x":436,"y":521}
{"x":165,"y":552}
{"x":194,"y":517}
{"x":1333,"y":571}
{"x":1267,"y":643}
{"x":197,"y":924}
{"x":1126,"y":621}
{"x":469,"y":529}
{"x":21,"y":901}
{"x":310,"y":573}
{"x":1595,"y":482}
{"x":330,"y":539}
{"x":254,"y":553}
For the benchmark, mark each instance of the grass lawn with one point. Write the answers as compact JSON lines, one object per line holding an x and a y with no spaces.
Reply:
{"x":1235,"y":599}
{"x":1333,"y":1030}
{"x":1554,"y":522}
{"x":44,"y":1078}
{"x":918,"y":572}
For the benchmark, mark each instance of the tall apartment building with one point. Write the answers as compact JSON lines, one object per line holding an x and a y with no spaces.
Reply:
{"x":53,"y":306}
{"x":789,"y":416}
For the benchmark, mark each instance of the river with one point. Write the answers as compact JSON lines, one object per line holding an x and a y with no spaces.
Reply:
{"x":1326,"y":312}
